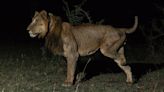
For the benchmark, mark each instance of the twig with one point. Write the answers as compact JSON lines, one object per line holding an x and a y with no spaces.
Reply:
{"x":86,"y":64}
{"x":67,"y":10}
{"x":54,"y":87}
{"x":155,"y":87}
{"x":3,"y":90}
{"x":76,"y":15}
{"x":157,"y":36}
{"x":77,"y":87}
{"x":87,"y":15}
{"x":82,"y":3}
{"x":80,"y":76}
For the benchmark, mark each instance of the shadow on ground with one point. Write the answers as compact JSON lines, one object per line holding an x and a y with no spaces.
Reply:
{"x":102,"y":65}
{"x":140,"y":69}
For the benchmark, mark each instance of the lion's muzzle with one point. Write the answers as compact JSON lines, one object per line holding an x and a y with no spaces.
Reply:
{"x":32,"y":35}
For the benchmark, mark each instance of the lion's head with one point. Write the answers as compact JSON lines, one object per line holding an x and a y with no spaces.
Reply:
{"x":46,"y":25}
{"x":39,"y":25}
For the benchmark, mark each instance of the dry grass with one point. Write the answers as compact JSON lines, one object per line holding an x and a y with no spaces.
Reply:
{"x":23,"y":70}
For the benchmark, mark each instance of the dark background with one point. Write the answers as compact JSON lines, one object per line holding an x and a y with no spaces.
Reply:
{"x":16,"y":15}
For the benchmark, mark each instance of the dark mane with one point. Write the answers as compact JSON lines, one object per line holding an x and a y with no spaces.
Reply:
{"x":53,"y":39}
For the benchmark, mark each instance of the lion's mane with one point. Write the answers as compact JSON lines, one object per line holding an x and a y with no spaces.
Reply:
{"x":53,"y":39}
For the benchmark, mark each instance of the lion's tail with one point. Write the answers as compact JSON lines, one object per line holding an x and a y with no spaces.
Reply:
{"x":132,"y":29}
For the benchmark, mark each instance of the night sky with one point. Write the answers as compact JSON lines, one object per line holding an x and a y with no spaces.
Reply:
{"x":16,"y":15}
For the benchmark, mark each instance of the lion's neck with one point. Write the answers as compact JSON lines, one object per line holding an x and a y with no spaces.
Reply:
{"x":53,"y":39}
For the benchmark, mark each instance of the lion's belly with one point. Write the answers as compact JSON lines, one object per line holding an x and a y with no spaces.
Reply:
{"x":88,"y":48}
{"x":88,"y":40}
{"x":85,"y":52}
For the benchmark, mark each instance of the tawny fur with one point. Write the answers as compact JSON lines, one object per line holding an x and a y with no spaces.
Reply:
{"x":73,"y":41}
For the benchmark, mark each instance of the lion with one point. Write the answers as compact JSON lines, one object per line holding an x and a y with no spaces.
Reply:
{"x":72,"y":41}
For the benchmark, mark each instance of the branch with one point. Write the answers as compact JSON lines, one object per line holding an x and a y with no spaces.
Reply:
{"x":87,"y":15}
{"x":82,"y":3}
{"x":156,"y":29}
{"x":67,"y":10}
{"x":154,"y":26}
{"x":142,"y":30}
{"x":160,"y":8}
{"x":155,"y":37}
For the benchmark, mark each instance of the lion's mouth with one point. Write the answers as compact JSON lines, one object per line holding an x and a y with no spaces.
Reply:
{"x":32,"y":35}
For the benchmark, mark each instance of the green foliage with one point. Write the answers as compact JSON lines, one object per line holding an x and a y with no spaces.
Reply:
{"x":23,"y":70}
{"x":153,"y":32}
{"x":76,"y":15}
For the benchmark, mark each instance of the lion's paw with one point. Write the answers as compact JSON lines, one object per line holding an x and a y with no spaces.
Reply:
{"x":67,"y":84}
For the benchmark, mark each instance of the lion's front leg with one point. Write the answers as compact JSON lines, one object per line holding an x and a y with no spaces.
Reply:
{"x":71,"y":67}
{"x":70,"y":52}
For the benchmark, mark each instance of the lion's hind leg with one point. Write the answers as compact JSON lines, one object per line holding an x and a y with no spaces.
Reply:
{"x":115,"y":50}
{"x":121,"y":62}
{"x":126,"y":68}
{"x":111,"y":45}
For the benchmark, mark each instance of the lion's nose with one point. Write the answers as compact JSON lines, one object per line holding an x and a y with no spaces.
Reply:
{"x":29,"y":27}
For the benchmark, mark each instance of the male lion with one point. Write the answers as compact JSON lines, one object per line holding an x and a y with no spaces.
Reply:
{"x":85,"y":39}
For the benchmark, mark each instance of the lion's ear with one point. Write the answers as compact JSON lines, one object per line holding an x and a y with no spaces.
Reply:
{"x":36,"y":13}
{"x":50,"y":14}
{"x":43,"y":13}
